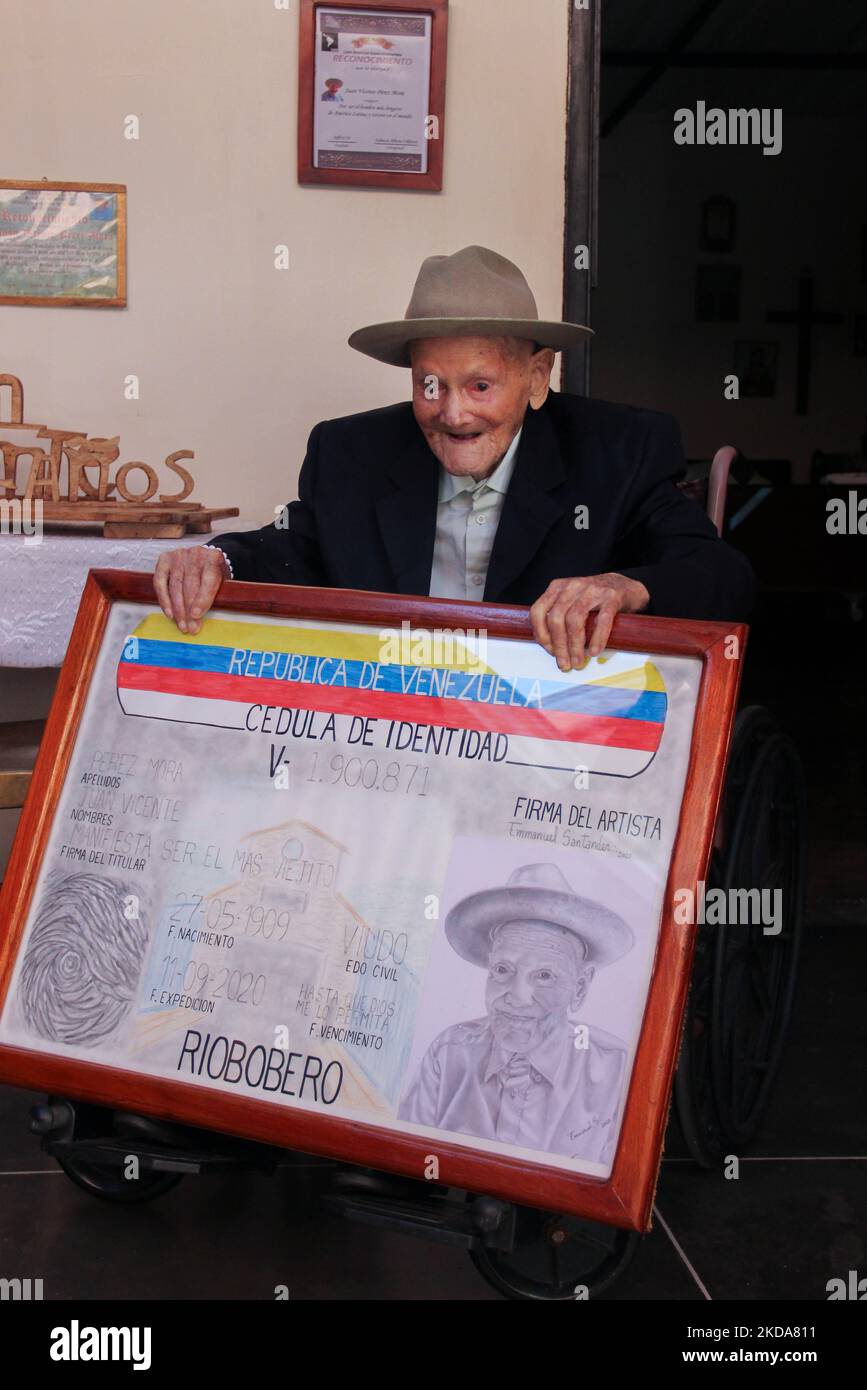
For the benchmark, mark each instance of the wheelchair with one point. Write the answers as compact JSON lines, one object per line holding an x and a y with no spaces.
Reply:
{"x":740,"y":1001}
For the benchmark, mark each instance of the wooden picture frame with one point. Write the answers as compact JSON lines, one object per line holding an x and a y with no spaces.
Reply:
{"x":718,"y":226}
{"x":625,"y":1197}
{"x":84,"y":267}
{"x":430,"y":180}
{"x":755,"y":365}
{"x":717,"y":293}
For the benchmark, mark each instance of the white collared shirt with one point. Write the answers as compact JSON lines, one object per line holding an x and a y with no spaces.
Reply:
{"x":468,"y":514}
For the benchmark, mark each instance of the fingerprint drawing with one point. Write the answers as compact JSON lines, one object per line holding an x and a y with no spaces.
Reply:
{"x":83,"y":960}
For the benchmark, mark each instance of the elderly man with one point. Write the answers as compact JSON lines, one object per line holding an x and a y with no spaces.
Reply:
{"x":529,"y":1073}
{"x":487,"y":486}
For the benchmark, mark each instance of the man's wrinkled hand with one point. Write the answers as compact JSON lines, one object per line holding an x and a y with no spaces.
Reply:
{"x":561,"y":615}
{"x":186,"y":582}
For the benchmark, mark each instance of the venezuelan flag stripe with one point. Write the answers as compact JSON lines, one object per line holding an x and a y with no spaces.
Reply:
{"x":563,"y":725}
{"x":237,"y":635}
{"x":483,"y":687}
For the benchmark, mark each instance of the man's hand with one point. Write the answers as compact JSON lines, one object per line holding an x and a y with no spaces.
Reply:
{"x":560,"y":615}
{"x":187,"y":581}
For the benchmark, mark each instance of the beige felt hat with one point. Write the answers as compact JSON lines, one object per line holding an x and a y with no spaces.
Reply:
{"x":475,"y":293}
{"x":536,"y":893}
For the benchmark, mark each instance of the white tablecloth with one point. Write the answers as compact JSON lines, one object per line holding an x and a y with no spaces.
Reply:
{"x":40,"y":585}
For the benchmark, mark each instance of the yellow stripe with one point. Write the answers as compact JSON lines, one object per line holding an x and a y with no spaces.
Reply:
{"x":350,"y":646}
{"x":644,"y":677}
{"x":306,"y":641}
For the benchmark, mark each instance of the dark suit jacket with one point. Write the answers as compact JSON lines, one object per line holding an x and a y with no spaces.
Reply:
{"x":366,"y":513}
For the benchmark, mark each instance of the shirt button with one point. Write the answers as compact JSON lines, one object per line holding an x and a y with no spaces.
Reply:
{"x":477,"y":578}
{"x":480,"y":520}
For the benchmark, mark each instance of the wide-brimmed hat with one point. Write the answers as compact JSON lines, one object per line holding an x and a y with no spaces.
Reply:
{"x":475,"y":293}
{"x":536,"y":893}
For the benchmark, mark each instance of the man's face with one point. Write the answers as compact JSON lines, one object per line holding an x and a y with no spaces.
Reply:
{"x":534,"y":975}
{"x":470,"y":396}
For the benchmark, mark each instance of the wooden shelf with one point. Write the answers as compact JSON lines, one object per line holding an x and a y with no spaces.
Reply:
{"x":122,"y":520}
{"x":19,"y":744}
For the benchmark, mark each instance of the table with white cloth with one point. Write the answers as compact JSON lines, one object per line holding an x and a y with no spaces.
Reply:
{"x":42,"y":583}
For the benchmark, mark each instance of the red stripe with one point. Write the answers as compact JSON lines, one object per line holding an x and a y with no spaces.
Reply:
{"x":419,"y":709}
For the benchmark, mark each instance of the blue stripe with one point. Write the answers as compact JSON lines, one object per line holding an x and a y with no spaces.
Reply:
{"x":608,"y":700}
{"x":611,"y":701}
{"x":181,"y":656}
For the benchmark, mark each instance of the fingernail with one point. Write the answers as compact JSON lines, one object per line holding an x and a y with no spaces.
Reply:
{"x":182,"y":625}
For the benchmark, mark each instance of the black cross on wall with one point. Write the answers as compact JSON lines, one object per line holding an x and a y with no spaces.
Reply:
{"x":805,"y":316}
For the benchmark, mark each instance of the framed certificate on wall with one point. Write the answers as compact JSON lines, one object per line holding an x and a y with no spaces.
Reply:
{"x":371,"y":94}
{"x":63,"y":244}
{"x":367,"y":876}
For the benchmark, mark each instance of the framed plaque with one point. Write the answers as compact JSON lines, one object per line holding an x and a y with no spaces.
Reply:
{"x":371,"y":93}
{"x":63,"y":244}
{"x":367,"y":876}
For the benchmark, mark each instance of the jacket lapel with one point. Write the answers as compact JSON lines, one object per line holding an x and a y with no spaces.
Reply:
{"x":407,"y":514}
{"x":529,"y":510}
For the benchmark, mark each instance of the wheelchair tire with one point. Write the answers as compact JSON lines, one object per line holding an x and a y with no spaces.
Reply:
{"x":743,"y":980}
{"x":555,"y":1255}
{"x":767,"y":849}
{"x":693,"y":1093}
{"x":109,"y":1184}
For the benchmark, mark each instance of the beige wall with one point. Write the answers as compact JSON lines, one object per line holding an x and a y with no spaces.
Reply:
{"x":237,"y":360}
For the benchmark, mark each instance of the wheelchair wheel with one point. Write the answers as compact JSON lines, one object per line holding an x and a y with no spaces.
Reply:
{"x":109,"y":1183}
{"x":744,"y":979}
{"x":693,"y":1093}
{"x":555,"y":1258}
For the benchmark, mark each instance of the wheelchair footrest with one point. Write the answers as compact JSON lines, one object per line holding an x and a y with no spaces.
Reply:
{"x":114,"y":1153}
{"x":437,"y":1219}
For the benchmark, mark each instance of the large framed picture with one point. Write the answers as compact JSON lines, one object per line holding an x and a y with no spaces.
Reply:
{"x":368,"y":876}
{"x":63,"y":244}
{"x":371,"y":93}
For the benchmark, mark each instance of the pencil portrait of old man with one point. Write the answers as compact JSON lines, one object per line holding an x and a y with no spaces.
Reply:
{"x":529,"y":1073}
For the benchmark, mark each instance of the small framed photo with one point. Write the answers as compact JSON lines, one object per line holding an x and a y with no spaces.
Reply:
{"x":63,"y":244}
{"x":718,"y":224}
{"x":368,"y":876}
{"x":371,"y":93}
{"x":755,"y":366}
{"x":717,"y":293}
